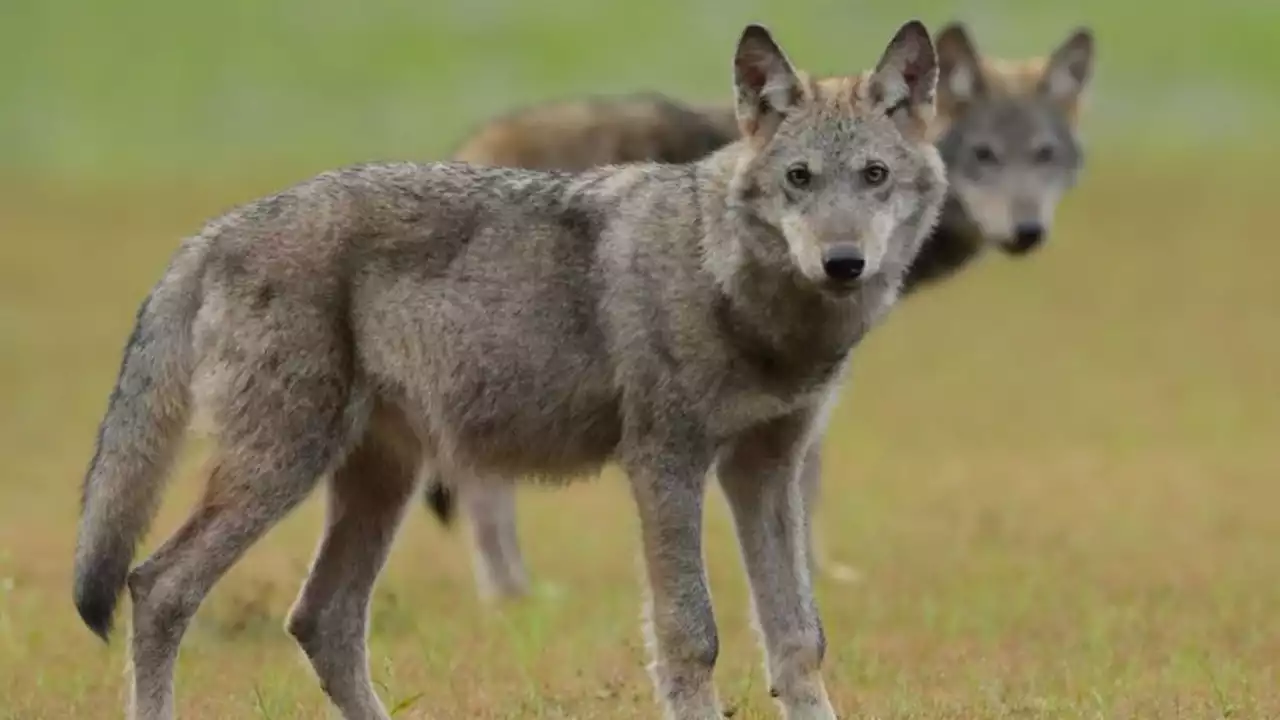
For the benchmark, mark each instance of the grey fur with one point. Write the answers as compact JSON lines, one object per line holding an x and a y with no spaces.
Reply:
{"x":510,"y":322}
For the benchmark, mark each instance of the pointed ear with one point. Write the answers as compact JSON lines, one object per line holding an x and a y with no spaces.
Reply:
{"x":1070,"y":68}
{"x":959,"y":71}
{"x":907,"y":75}
{"x":765,"y":84}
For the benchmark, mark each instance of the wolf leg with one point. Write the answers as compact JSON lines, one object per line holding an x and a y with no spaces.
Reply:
{"x":766,"y":495}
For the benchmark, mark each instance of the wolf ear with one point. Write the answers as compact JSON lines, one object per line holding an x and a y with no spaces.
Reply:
{"x":907,"y":74}
{"x":959,"y":71}
{"x":1070,"y":68}
{"x":765,"y":84}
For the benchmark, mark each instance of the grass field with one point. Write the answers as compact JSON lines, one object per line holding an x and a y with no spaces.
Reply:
{"x":1059,"y":476}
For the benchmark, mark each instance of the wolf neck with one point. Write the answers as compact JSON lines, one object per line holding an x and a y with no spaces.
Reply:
{"x":953,"y":244}
{"x":780,"y":315}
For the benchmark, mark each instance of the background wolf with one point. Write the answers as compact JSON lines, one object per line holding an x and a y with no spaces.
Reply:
{"x":1006,"y":130}
{"x":578,"y":134}
{"x":494,"y":320}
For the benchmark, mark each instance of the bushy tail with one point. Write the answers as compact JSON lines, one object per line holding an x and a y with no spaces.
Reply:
{"x":137,"y":440}
{"x":440,"y":500}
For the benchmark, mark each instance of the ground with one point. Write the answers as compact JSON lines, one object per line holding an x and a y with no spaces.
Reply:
{"x":1058,"y":475}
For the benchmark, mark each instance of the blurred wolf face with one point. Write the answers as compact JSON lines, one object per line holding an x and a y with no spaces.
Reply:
{"x":1009,"y":142}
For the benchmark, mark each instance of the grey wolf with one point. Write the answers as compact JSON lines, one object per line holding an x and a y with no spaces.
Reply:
{"x":1007,"y":130}
{"x":512,"y":322}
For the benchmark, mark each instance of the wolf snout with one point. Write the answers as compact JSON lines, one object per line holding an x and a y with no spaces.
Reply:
{"x":1026,"y":237}
{"x":843,"y":263}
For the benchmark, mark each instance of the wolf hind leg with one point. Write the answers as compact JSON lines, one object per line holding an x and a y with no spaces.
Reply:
{"x":367,"y":498}
{"x":253,"y":484}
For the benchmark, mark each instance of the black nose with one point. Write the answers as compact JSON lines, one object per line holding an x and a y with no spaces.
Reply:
{"x":1026,"y":236}
{"x":843,"y":263}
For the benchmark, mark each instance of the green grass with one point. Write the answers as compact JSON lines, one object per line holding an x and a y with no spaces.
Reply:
{"x":1059,"y":476}
{"x":118,"y":89}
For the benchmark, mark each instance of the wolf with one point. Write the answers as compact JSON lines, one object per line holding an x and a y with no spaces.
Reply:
{"x":1007,"y":131}
{"x":674,"y":319}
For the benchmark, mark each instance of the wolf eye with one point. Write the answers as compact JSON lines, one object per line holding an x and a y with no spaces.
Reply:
{"x":984,"y":154}
{"x":875,"y":173}
{"x":1044,"y":154}
{"x":798,"y":175}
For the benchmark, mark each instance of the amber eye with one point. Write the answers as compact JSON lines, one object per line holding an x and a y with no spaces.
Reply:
{"x":875,"y":173}
{"x":1044,"y":154}
{"x":798,"y":175}
{"x":984,"y":154}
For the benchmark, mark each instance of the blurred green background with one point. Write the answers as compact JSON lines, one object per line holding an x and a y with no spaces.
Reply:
{"x":112,"y":90}
{"x":1058,"y":476}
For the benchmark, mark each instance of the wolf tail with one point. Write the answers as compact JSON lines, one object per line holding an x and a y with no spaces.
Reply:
{"x":146,"y":415}
{"x":440,"y":500}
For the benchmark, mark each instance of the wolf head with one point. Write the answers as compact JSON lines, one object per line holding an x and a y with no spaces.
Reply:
{"x":838,"y":175}
{"x":1008,"y":137}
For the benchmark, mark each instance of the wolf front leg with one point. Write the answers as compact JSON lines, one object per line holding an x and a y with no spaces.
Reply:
{"x":668,"y":480}
{"x":760,"y":475}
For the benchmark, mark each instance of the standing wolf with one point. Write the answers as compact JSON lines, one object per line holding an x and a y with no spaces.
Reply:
{"x":1006,"y":131}
{"x":673,"y":318}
